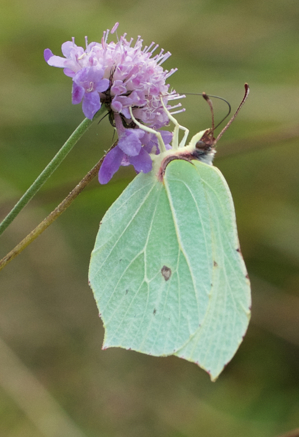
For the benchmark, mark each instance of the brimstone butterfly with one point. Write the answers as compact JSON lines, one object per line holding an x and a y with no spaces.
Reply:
{"x":166,"y":270}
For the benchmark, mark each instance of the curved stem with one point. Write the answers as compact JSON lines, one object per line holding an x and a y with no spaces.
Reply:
{"x":54,"y":214}
{"x":50,"y":168}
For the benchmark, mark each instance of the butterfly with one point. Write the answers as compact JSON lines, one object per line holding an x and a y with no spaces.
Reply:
{"x":167,"y":270}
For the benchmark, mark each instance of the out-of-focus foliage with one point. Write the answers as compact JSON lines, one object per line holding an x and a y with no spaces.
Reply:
{"x":50,"y":330}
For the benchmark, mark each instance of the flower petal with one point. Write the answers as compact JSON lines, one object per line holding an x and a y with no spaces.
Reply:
{"x":129,"y":141}
{"x":117,"y":88}
{"x":110,"y":165}
{"x":142,"y":162}
{"x":166,"y":136}
{"x":56,"y":61}
{"x":116,"y":106}
{"x":77,"y":94}
{"x":69,"y":46}
{"x":68,"y":72}
{"x":102,"y":85}
{"x":91,"y":104}
{"x":47,"y":54}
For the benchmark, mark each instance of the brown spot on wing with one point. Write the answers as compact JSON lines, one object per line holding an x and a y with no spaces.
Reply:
{"x":166,"y":272}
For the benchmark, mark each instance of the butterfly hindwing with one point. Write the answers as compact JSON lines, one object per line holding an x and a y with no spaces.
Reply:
{"x":227,"y":316}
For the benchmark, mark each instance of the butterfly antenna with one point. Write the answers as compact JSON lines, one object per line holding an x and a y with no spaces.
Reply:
{"x":215,"y":97}
{"x":209,"y":101}
{"x":229,"y":110}
{"x":246,"y":86}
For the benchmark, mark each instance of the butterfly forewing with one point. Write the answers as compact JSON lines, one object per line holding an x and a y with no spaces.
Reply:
{"x":142,"y":280}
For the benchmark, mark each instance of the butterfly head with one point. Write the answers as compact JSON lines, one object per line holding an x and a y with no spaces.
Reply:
{"x":204,"y":149}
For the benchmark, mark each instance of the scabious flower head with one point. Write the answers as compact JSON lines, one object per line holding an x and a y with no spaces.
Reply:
{"x":121,"y":75}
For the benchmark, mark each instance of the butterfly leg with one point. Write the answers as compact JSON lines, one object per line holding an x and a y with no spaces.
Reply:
{"x":152,"y":131}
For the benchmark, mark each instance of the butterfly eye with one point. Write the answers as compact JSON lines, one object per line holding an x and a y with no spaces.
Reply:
{"x":202,"y":146}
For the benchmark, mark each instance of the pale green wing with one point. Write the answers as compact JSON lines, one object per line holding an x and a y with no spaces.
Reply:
{"x":227,"y":317}
{"x":151,"y":285}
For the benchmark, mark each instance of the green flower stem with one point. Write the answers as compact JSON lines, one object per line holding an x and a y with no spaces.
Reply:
{"x":51,"y":167}
{"x":53,"y":215}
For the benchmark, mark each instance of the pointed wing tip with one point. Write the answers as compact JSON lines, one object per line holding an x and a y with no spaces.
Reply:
{"x":212,"y":376}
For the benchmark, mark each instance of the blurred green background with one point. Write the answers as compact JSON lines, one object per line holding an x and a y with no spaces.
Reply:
{"x":54,"y":379}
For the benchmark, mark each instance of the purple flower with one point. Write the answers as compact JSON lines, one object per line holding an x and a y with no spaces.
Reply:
{"x":133,"y":147}
{"x":121,"y":76}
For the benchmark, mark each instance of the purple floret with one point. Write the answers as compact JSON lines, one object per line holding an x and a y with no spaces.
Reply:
{"x":88,"y":83}
{"x":128,"y":151}
{"x":133,"y":147}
